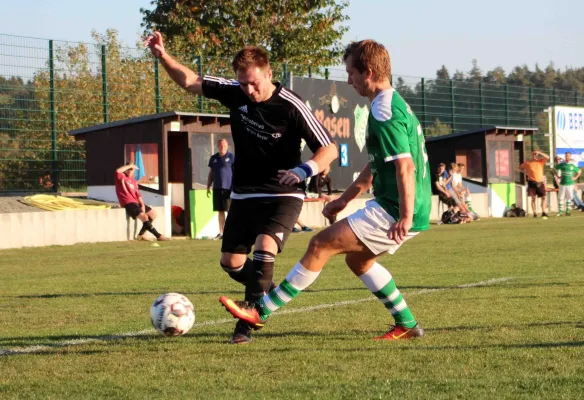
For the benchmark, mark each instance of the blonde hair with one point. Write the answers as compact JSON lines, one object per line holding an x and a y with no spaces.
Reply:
{"x":369,"y":55}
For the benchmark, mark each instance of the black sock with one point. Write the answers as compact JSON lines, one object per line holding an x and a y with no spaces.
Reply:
{"x":240,"y":274}
{"x":143,"y":230}
{"x":148,"y":227}
{"x":261,"y":281}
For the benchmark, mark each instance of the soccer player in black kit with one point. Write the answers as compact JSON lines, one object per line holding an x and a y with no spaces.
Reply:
{"x":268,"y":122}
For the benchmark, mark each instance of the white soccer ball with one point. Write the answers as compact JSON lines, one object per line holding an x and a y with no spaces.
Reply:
{"x":172,"y":314}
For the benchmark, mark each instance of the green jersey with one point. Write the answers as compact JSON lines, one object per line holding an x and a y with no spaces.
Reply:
{"x":394,"y":132}
{"x":568,"y":171}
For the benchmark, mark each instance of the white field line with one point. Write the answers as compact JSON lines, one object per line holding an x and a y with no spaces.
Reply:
{"x":102,"y":339}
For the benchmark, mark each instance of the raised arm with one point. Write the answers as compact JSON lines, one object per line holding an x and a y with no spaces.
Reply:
{"x":543,"y":155}
{"x":183,"y":76}
{"x":126,"y":167}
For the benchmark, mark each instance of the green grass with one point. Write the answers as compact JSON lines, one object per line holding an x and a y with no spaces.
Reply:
{"x":516,"y":338}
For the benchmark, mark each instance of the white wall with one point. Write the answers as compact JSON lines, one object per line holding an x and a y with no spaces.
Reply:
{"x":34,"y":229}
{"x":163,"y":223}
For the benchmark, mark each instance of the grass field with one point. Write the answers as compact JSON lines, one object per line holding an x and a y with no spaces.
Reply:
{"x":502,"y":302}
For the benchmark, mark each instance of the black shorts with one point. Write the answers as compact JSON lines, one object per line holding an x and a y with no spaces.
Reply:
{"x":449,"y":201}
{"x":134,"y":209}
{"x":221,"y":199}
{"x":535,"y":188}
{"x":249,"y":218}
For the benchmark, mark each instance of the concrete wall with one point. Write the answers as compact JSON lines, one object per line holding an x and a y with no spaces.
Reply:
{"x":163,"y":222}
{"x":34,"y":229}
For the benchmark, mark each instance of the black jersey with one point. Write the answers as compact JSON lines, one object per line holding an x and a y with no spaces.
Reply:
{"x":266,"y":136}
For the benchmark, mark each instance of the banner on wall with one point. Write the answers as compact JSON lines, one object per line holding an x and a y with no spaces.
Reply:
{"x":568,"y":132}
{"x":344,"y":114}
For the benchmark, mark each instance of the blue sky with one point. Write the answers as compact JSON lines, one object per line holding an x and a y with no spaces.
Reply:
{"x":420,"y":35}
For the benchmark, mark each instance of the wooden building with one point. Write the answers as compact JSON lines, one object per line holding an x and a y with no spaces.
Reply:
{"x":173,"y":150}
{"x":492,"y":155}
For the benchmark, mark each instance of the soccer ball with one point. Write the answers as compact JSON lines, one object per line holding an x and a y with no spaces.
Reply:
{"x":172,"y":314}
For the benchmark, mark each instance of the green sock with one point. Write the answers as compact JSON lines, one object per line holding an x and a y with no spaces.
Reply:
{"x":381,"y":283}
{"x":298,"y":279}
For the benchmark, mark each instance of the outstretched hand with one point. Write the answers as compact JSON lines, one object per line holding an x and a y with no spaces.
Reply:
{"x":155,"y":44}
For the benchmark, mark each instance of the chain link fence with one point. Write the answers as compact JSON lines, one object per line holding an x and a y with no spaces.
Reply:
{"x":48,"y":88}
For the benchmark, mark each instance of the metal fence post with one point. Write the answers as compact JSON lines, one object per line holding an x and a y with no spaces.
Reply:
{"x":326,"y":73}
{"x":481,"y":104}
{"x":423,"y":88}
{"x":554,"y":96}
{"x":452,"y":110}
{"x":53,"y":114}
{"x":156,"y":85}
{"x":104,"y":83}
{"x":506,"y":105}
{"x":530,"y":108}
{"x":310,"y":71}
{"x":199,"y":59}
{"x":285,"y":75}
{"x":576,"y":98}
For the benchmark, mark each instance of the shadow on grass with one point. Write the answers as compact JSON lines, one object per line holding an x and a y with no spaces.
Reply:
{"x":420,"y":347}
{"x":83,"y":295}
{"x":51,"y":351}
{"x":222,"y":292}
{"x":510,"y":326}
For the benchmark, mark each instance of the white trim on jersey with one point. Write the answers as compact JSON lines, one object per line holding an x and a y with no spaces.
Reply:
{"x":402,"y":155}
{"x":222,"y":81}
{"x":243,"y":196}
{"x":317,"y":129}
{"x":381,"y":105}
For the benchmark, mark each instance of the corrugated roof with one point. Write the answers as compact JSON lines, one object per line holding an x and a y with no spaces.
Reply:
{"x":504,"y":130}
{"x":143,"y":118}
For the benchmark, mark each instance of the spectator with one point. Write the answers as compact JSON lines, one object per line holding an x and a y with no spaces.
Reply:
{"x":465,"y":192}
{"x":449,"y":185}
{"x":178,"y":216}
{"x":569,"y":173}
{"x":130,"y":198}
{"x":317,"y":183}
{"x":440,"y":188}
{"x":220,"y":176}
{"x":578,"y":203}
{"x":534,"y":169}
{"x":303,"y":227}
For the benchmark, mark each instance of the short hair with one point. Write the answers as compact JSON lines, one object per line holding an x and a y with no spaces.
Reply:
{"x":442,"y":164}
{"x":453,"y":165}
{"x":369,"y":55}
{"x":567,"y":152}
{"x":251,"y":56}
{"x":222,"y":140}
{"x":460,"y":164}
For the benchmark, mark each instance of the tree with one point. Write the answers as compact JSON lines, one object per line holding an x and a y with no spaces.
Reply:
{"x":475,"y":74}
{"x":438,"y":129}
{"x":303,"y":33}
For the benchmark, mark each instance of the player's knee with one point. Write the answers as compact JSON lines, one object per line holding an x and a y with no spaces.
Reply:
{"x":319,"y":243}
{"x":232,"y":261}
{"x":152,"y":214}
{"x":142,"y":217}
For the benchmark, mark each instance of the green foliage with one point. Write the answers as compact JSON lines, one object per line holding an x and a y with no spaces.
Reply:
{"x":82,"y":313}
{"x":298,"y":32}
{"x":437,"y":129}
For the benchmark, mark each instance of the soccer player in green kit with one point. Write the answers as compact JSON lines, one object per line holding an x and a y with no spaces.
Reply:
{"x":569,"y":174}
{"x":399,"y":173}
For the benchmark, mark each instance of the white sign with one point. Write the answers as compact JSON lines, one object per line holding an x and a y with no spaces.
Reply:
{"x":568,"y":126}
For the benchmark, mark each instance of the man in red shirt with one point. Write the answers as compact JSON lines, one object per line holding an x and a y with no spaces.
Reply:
{"x":131,"y":199}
